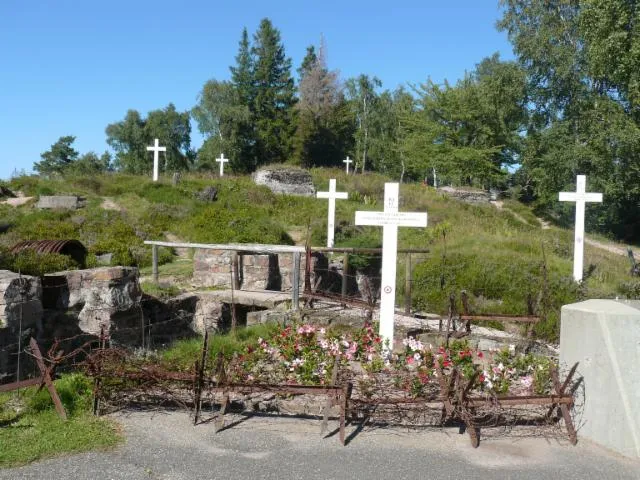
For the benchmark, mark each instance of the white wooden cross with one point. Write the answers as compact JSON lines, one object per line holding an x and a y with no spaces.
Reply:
{"x":581,"y":198}
{"x":390,"y":220}
{"x":332,"y":195}
{"x":347,"y":162}
{"x":222,"y":161}
{"x":156,"y":149}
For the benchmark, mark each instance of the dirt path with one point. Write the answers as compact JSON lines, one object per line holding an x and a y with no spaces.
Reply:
{"x":615,"y":248}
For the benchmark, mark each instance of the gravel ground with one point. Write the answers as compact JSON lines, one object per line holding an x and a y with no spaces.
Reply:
{"x":167,"y":446}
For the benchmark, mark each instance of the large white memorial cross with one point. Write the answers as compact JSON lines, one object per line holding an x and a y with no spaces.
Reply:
{"x":222,"y":161}
{"x":581,"y":198}
{"x":156,"y":149}
{"x":331,"y":195}
{"x":347,"y":161}
{"x":390,"y":220}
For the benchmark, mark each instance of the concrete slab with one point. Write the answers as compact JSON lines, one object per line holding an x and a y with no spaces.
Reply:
{"x":604,"y":337}
{"x":253,"y":298}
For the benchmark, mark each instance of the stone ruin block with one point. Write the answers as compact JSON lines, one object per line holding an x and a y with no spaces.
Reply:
{"x":70,"y":202}
{"x":20,"y":301}
{"x":105,"y":296}
{"x":20,"y":313}
{"x":212,"y":268}
{"x":290,"y":181}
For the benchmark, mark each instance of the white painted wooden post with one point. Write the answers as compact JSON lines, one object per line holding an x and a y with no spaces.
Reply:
{"x":332,"y":195}
{"x":581,"y":197}
{"x":156,"y":149}
{"x":222,"y":161}
{"x":295,"y":278}
{"x":347,"y":161}
{"x":390,"y":219}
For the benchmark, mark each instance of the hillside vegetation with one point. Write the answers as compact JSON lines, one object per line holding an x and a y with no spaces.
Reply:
{"x":503,"y":258}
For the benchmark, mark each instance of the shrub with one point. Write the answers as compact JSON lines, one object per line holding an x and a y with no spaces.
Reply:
{"x":30,"y":262}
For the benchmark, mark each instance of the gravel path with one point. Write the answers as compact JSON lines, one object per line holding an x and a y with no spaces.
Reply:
{"x":167,"y":446}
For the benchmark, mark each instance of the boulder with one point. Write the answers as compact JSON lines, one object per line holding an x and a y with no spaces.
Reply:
{"x":290,"y":181}
{"x":20,"y":301}
{"x":468,"y":196}
{"x":106,"y":296}
{"x":71,"y":202}
{"x":208,"y":194}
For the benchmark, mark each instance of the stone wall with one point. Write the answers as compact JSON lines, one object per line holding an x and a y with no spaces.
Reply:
{"x":212,"y":268}
{"x":604,"y":337}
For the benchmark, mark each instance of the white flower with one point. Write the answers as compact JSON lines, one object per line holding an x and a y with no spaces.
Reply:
{"x":417,"y":357}
{"x":512,"y":349}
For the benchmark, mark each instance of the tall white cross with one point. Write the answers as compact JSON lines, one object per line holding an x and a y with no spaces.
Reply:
{"x":332,"y":195}
{"x":222,"y":161}
{"x":156,"y":149}
{"x":347,"y":161}
{"x":580,"y":197}
{"x":390,"y":220}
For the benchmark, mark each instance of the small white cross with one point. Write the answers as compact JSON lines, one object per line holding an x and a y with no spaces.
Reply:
{"x":581,"y":198}
{"x":332,"y":195}
{"x":390,"y":220}
{"x":156,"y":149}
{"x":347,"y":161}
{"x":222,"y":161}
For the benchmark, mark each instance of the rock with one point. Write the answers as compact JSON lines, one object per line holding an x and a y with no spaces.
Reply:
{"x":71,"y":202}
{"x":105,"y":296}
{"x":208,"y":194}
{"x":5,"y":227}
{"x":104,"y":259}
{"x":290,"y":181}
{"x":6,"y":193}
{"x":468,"y":196}
{"x":20,"y":301}
{"x":201,"y":310}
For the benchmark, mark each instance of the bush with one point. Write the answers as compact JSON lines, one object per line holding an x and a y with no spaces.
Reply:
{"x":30,"y":262}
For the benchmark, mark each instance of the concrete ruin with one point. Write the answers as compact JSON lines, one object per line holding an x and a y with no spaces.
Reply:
{"x":290,"y":181}
{"x":603,"y":336}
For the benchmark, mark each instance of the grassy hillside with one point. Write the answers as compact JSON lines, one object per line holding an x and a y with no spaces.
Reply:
{"x":503,"y":258}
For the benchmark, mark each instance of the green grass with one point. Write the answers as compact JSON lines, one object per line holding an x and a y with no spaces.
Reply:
{"x":30,"y":429}
{"x":496,"y":255}
{"x":182,"y":354}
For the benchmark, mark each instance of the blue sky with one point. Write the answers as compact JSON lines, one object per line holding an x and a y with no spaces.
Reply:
{"x":72,"y":67}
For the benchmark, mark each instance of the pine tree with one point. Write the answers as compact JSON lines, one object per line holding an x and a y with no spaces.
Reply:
{"x":274,"y":96}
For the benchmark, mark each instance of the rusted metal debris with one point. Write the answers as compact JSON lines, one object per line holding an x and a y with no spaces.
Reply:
{"x":44,"y":380}
{"x":71,"y":248}
{"x":122,"y":379}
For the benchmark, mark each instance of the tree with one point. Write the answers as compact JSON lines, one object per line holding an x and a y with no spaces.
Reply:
{"x":90,"y":164}
{"x":323,"y":127}
{"x":362,"y":97}
{"x":130,"y":138}
{"x":58,"y":158}
{"x":581,"y":60}
{"x":224,"y":121}
{"x":274,"y":97}
{"x":471,"y":131}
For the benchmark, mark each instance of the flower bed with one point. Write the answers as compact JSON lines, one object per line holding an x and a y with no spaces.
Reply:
{"x":422,"y":384}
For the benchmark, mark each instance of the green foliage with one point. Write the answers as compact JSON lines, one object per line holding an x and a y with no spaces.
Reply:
{"x":182,"y":354}
{"x":159,"y":290}
{"x":29,"y":262}
{"x":131,"y":137}
{"x":58,"y":158}
{"x":32,"y":429}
